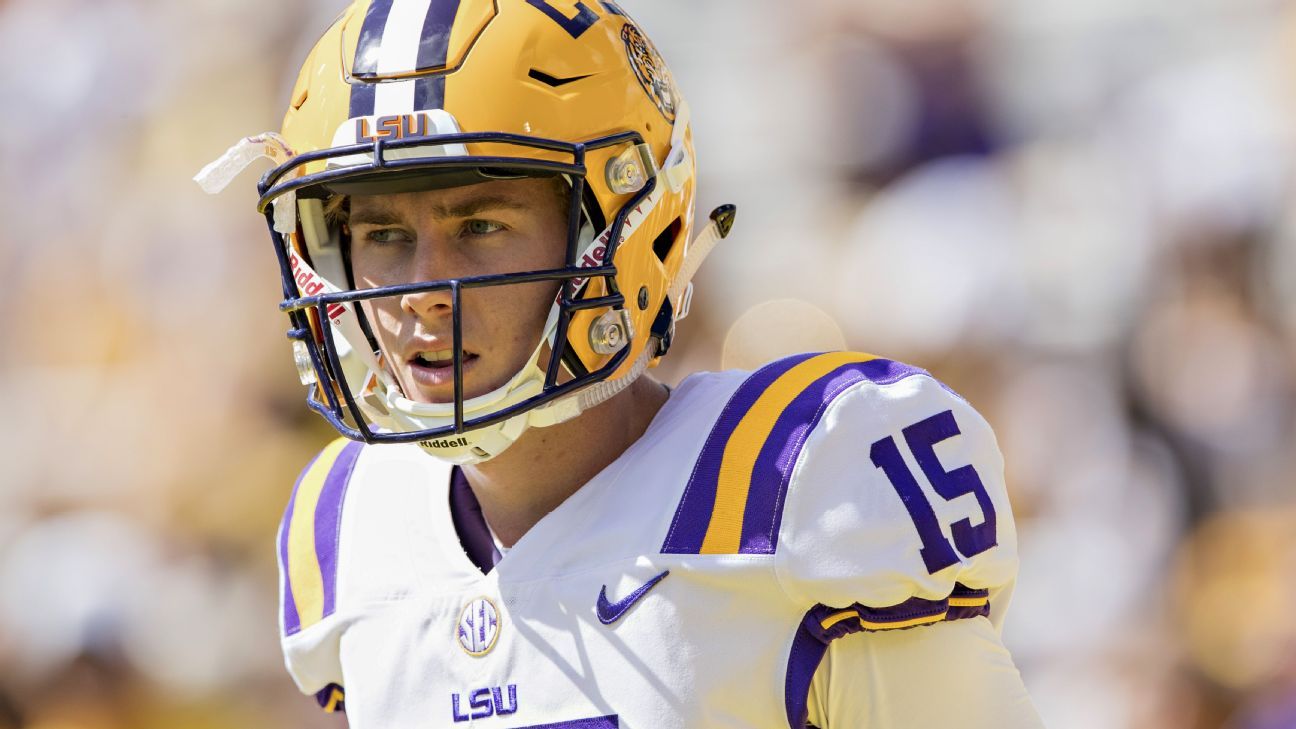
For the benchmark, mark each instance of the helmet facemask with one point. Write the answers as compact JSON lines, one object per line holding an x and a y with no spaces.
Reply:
{"x":353,"y":384}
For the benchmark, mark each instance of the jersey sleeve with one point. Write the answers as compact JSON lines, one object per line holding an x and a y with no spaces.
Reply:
{"x":962,"y":663}
{"x":310,"y":626}
{"x":896,"y":512}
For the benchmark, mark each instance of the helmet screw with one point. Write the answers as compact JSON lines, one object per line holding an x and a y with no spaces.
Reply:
{"x":643,"y":298}
{"x":610,"y":332}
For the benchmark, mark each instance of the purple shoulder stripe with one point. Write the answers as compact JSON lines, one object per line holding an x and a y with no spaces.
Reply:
{"x":291,"y":620}
{"x":324,"y":491}
{"x":328,"y":520}
{"x":773,"y":470}
{"x":372,"y":30}
{"x":693,"y":514}
{"x":778,"y":453}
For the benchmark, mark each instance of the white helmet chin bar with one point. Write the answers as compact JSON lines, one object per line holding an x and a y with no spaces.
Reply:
{"x":372,"y":386}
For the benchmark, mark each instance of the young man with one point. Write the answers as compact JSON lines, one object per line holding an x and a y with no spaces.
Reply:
{"x":483,"y":211}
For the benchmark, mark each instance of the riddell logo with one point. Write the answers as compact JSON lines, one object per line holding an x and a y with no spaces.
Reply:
{"x":597,"y":255}
{"x":309,"y":284}
{"x":399,"y":126}
{"x":590,"y":260}
{"x":437,"y":444}
{"x":594,"y":257}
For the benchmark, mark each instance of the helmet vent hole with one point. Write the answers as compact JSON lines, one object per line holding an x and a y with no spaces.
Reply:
{"x":666,"y":240}
{"x":554,"y":81}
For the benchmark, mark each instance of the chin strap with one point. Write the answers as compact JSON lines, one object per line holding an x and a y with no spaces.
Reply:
{"x":722,"y":220}
{"x":601,"y":392}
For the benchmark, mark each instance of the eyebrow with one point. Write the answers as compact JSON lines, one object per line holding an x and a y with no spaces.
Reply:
{"x":385,"y":215}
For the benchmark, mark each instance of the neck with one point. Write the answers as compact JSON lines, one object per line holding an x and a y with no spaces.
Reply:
{"x":546,"y":465}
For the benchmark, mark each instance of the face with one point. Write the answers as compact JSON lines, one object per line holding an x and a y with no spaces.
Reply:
{"x":496,"y":227}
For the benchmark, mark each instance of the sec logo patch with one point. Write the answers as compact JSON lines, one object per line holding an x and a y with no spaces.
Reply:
{"x":479,"y":627}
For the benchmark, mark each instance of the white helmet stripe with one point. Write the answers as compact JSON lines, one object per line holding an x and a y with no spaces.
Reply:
{"x":399,"y":53}
{"x":394,"y":98}
{"x":402,"y":36}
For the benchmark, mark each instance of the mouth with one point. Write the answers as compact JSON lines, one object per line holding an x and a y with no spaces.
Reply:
{"x":435,"y":368}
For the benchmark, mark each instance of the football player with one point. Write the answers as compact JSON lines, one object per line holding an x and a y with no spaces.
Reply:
{"x":484,"y":215}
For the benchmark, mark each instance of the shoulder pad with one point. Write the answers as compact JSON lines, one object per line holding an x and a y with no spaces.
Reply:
{"x":733,"y":503}
{"x":896,"y":504}
{"x":308,"y":537}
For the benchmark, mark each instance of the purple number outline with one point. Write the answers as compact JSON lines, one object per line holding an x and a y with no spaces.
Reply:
{"x":970,"y":539}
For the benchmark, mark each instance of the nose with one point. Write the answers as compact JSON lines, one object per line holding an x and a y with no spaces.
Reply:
{"x":429,"y":305}
{"x":430,"y":263}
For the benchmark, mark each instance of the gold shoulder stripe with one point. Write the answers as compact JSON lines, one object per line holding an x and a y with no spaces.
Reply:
{"x":305,"y":575}
{"x":724,"y":533}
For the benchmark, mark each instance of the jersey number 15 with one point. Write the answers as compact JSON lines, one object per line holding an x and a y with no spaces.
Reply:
{"x":921,"y":437}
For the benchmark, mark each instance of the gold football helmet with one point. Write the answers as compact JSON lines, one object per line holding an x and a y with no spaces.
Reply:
{"x":405,"y":95}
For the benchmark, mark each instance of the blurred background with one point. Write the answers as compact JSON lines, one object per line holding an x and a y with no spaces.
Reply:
{"x":1075,"y":213}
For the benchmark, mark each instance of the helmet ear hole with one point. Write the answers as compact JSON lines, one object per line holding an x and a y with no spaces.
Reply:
{"x":665,"y":242}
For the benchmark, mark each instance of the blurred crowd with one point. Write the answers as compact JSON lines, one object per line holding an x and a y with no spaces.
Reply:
{"x":1074,"y":213}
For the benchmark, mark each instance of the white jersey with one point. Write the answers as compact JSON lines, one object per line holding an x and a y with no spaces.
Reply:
{"x":695,"y":582}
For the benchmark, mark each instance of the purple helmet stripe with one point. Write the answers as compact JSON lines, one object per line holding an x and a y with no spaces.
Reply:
{"x":365,"y":62}
{"x":693,"y":515}
{"x":328,"y":520}
{"x":434,"y":43}
{"x":371,"y":33}
{"x":363,"y":95}
{"x":773,"y":470}
{"x":429,"y":92}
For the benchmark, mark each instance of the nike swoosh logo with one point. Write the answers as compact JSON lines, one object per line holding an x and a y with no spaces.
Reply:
{"x":610,"y":612}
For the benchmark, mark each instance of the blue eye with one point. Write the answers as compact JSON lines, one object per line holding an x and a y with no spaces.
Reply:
{"x":387,"y":235}
{"x":482,"y":227}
